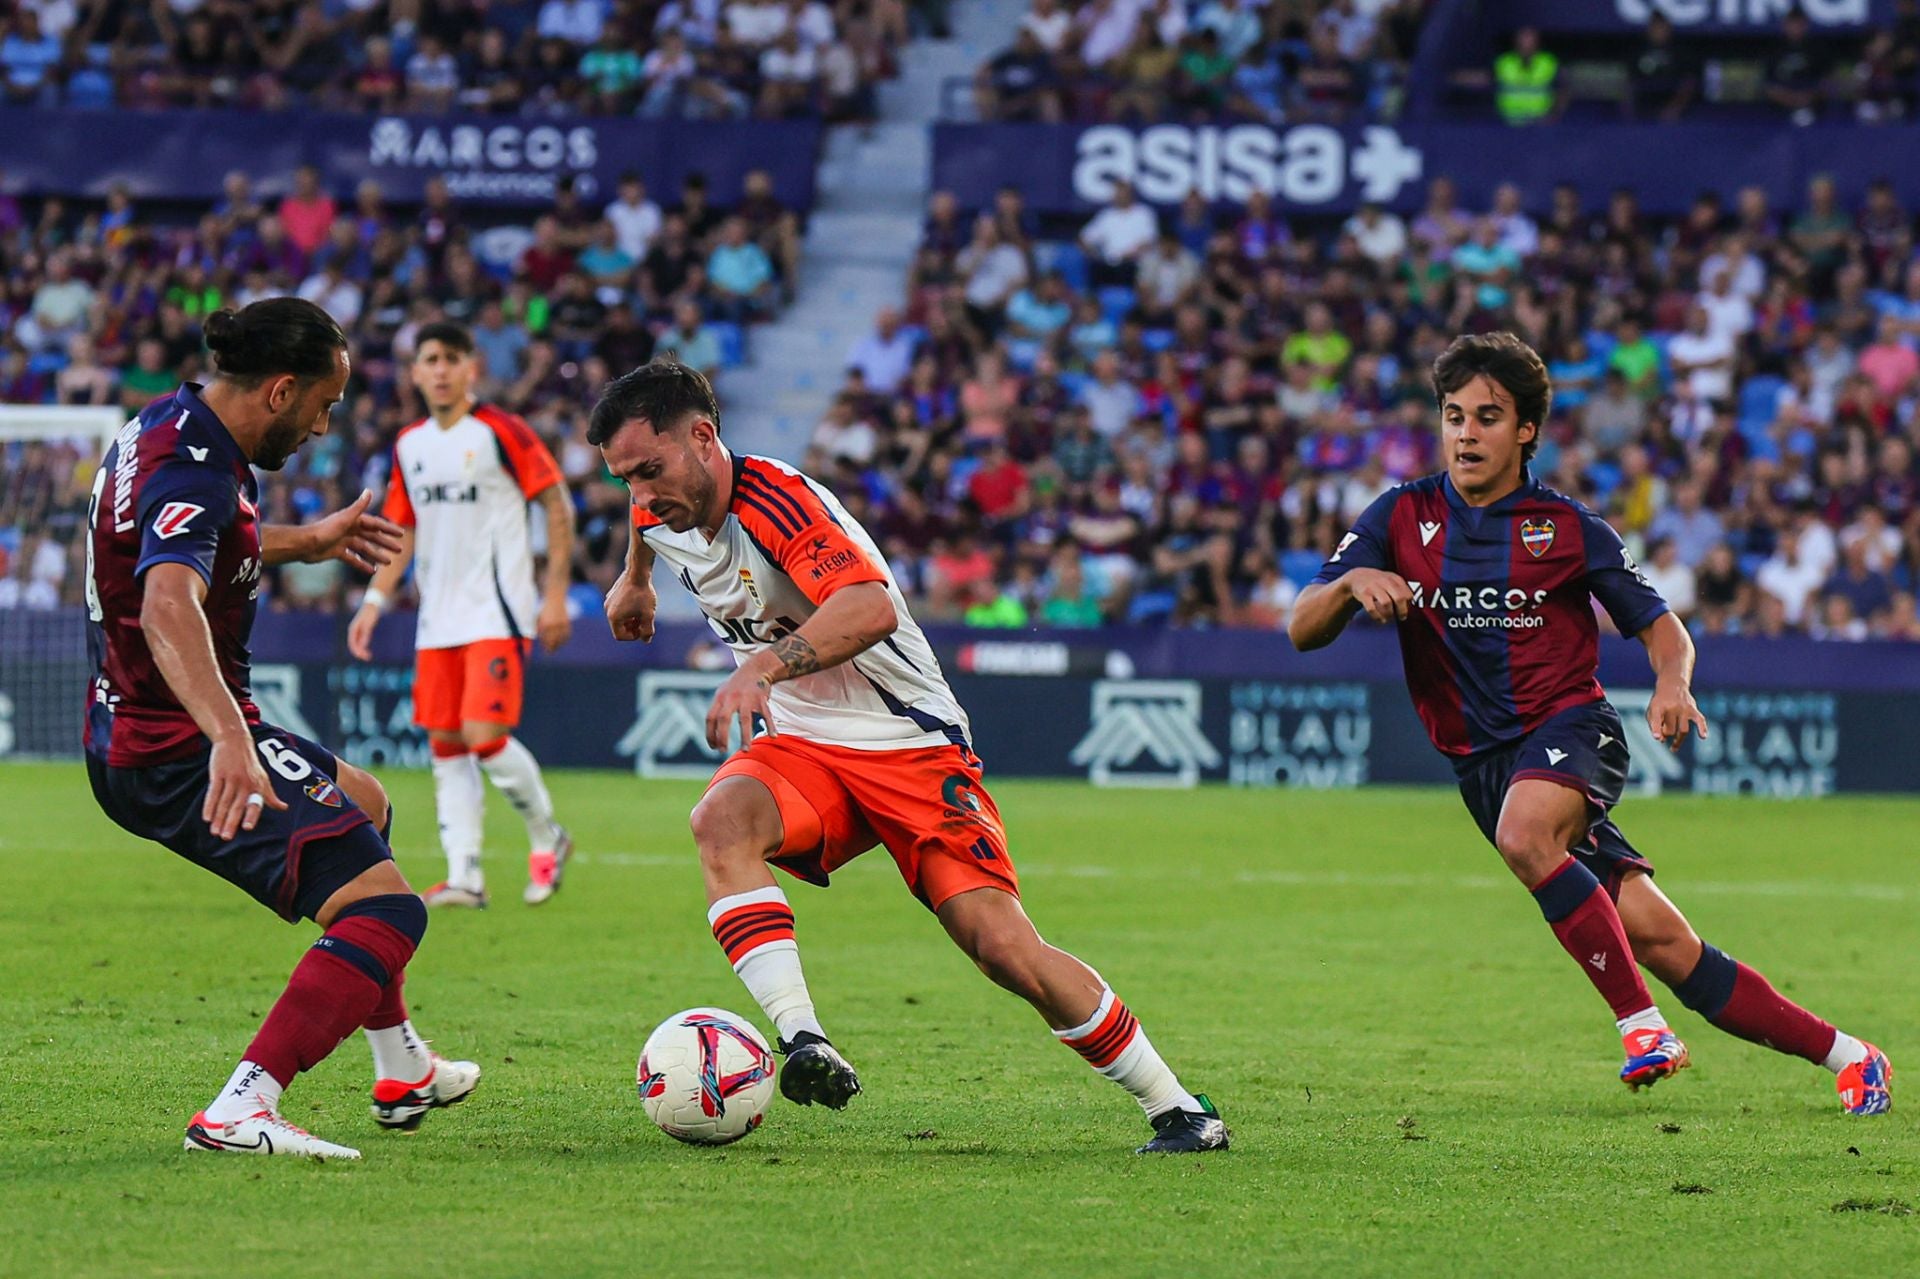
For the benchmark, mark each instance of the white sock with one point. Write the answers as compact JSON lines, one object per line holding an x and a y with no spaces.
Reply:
{"x":515,"y":771}
{"x":460,"y":798}
{"x":1846,"y":1051}
{"x":250,"y":1091}
{"x":1137,"y":1068}
{"x":1648,"y":1019}
{"x":771,"y":969}
{"x":399,"y":1054}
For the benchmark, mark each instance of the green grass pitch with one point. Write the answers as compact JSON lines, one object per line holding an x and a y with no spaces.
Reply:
{"x":1418,"y":1080}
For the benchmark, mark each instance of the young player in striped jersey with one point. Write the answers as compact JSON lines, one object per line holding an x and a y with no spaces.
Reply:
{"x":461,"y":481}
{"x":864,"y":744}
{"x":1491,"y":578}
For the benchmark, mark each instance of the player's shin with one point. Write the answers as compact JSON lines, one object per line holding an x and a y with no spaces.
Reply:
{"x":1741,"y":1002}
{"x":512,"y":768}
{"x":1588,"y":925}
{"x":1116,"y":1046}
{"x":460,"y":798}
{"x":755,"y":929}
{"x":334,"y":989}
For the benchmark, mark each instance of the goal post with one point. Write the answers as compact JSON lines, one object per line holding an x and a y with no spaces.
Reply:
{"x":48,"y":457}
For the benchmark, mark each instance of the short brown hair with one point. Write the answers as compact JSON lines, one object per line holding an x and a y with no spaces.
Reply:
{"x":664,"y":393}
{"x":1511,"y":363}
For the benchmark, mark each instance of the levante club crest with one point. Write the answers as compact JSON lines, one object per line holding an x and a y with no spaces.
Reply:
{"x":321,"y":790}
{"x":1536,"y":536}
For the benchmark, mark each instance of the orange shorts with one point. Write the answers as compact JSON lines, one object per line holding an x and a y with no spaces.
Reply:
{"x":482,"y":681}
{"x":927,"y":805}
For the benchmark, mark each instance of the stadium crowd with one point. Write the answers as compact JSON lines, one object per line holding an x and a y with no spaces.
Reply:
{"x":1164,"y":419}
{"x":698,"y":58}
{"x":1335,"y":61}
{"x":1328,"y":61}
{"x":1172,"y":419}
{"x":100,"y":306}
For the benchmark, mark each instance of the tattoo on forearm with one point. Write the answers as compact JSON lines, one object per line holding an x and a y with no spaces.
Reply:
{"x":796,"y":656}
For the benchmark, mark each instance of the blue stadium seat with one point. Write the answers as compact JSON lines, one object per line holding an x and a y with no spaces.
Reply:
{"x":1151,"y":607}
{"x":1067,"y":259}
{"x":1157,"y":340}
{"x":1299,"y":567}
{"x":1757,"y":399}
{"x":1116,"y":301}
{"x":733,"y":343}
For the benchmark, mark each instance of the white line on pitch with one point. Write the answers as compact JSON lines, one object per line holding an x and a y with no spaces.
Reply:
{"x":1363,"y":880}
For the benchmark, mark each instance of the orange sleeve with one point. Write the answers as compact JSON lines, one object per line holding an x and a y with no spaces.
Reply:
{"x":790,"y":521}
{"x":397,"y":505}
{"x":523,"y":452}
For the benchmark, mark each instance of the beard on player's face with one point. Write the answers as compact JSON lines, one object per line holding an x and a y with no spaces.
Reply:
{"x":286,"y":432}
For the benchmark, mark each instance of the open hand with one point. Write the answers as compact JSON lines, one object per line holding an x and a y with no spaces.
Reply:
{"x":356,"y":535}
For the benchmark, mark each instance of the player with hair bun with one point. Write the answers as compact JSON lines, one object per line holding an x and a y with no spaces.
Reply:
{"x":177,"y":752}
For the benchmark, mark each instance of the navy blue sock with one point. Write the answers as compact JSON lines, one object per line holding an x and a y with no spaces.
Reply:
{"x":1710,"y":985}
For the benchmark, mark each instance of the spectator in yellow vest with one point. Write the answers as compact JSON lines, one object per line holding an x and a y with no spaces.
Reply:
{"x":1526,"y":81}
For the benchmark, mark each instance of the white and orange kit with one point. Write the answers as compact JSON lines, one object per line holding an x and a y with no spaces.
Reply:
{"x":874,"y":750}
{"x":464,"y":490}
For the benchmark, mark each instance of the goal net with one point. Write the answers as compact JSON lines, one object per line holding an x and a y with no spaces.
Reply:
{"x":48,"y":457}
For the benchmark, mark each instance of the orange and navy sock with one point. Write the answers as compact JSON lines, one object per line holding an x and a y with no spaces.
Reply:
{"x":1588,"y":925}
{"x":1741,"y":1002}
{"x":1113,"y":1043}
{"x":755,"y":930}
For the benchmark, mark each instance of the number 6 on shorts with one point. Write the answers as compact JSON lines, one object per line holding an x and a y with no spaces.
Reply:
{"x":284,"y":760}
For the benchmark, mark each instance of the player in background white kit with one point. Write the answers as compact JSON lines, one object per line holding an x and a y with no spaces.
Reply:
{"x":461,"y":481}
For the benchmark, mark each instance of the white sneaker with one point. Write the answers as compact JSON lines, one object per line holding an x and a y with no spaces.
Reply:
{"x":398,"y":1104}
{"x":264,"y":1132}
{"x":453,"y":895}
{"x":545,"y":869}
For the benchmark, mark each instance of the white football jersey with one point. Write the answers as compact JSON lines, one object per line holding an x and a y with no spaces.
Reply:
{"x":786,"y":545}
{"x":464,"y":490}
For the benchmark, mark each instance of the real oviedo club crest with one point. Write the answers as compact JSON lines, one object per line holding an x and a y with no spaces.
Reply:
{"x":1536,"y":536}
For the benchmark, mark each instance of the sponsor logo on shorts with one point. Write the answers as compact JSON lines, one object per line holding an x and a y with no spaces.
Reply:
{"x":321,"y":790}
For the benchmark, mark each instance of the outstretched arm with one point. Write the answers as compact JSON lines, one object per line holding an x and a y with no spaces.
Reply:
{"x":852,"y":620}
{"x":1672,"y":710}
{"x":352,"y":533}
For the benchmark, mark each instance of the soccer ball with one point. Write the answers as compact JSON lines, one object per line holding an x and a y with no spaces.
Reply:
{"x":706,"y":1076}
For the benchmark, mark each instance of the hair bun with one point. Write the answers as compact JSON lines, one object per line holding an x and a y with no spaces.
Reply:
{"x":222,"y":330}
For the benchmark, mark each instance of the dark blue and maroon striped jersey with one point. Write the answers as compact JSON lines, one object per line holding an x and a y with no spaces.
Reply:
{"x":174,"y":489}
{"x":1501,"y":635}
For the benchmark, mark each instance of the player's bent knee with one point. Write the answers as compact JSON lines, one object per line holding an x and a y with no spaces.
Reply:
{"x":1530,"y":849}
{"x":735,"y":820}
{"x":478,"y":736}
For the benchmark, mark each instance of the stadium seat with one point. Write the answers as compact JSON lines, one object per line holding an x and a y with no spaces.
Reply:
{"x":1067,"y":259}
{"x":733,"y":343}
{"x":1117,"y":302}
{"x":1299,"y":566}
